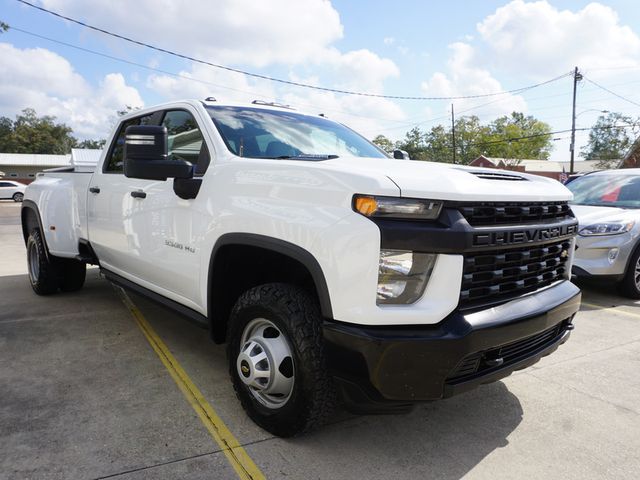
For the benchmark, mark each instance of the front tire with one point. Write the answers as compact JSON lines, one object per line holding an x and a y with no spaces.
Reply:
{"x":276,"y":359}
{"x":630,"y":284}
{"x":44,"y":271}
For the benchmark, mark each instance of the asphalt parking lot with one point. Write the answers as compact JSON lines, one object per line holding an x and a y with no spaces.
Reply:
{"x":84,"y":395}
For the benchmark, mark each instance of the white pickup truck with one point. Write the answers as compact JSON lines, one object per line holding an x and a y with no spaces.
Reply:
{"x":330,"y":270}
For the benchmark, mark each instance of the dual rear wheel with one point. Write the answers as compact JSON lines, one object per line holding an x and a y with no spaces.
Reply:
{"x":47,"y":273}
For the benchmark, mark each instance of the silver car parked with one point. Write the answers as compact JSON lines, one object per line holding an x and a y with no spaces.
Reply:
{"x":607,"y":206}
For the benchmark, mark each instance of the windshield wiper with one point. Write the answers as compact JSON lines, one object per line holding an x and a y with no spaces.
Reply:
{"x":307,"y":156}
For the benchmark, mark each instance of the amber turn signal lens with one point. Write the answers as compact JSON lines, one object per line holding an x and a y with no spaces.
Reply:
{"x":366,"y":205}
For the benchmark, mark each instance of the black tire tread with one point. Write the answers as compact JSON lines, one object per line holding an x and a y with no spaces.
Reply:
{"x":627,"y":286}
{"x":301,"y":314}
{"x":48,"y":280}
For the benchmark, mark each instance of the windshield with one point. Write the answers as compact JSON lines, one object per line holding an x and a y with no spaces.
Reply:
{"x":258,"y":133}
{"x":610,"y":190}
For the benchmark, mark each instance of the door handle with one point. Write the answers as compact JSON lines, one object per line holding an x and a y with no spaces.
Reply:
{"x":94,"y":189}
{"x":138,"y":194}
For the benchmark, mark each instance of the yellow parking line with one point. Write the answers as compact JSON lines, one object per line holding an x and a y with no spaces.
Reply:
{"x":237,"y":456}
{"x":617,"y":310}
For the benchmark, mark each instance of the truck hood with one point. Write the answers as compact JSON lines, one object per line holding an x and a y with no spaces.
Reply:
{"x":441,"y":181}
{"x":587,"y":214}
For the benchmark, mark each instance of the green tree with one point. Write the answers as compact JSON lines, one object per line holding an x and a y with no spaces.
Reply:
{"x":470,"y":135}
{"x":29,"y":133}
{"x":512,"y":137}
{"x":93,"y":144}
{"x":384,"y":143}
{"x":610,"y":138}
{"x":438,"y":145}
{"x":516,"y":137}
{"x":414,"y":144}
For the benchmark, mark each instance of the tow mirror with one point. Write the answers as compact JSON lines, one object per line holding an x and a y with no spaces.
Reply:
{"x":146,"y":155}
{"x":401,"y":155}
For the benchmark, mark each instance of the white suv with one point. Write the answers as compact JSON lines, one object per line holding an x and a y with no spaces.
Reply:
{"x":12,"y":190}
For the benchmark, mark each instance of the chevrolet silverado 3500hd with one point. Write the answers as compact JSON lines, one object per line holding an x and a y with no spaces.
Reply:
{"x":330,"y":270}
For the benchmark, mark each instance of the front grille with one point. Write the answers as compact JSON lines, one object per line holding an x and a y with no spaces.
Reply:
{"x":498,"y":275}
{"x":482,"y":362}
{"x":504,"y":213}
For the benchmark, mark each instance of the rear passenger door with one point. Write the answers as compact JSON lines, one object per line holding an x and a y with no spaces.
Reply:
{"x":153,"y":238}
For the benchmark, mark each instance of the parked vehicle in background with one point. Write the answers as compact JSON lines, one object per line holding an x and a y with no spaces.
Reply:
{"x":607,"y":205}
{"x":11,"y":190}
{"x":325,"y":265}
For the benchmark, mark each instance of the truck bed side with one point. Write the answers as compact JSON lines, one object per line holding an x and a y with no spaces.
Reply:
{"x":61,"y":200}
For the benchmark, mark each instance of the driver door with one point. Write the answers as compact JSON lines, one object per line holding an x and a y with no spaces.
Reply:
{"x":141,"y":229}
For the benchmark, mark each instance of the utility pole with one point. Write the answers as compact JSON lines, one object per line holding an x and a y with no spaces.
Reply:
{"x":577,"y":76}
{"x":453,"y":134}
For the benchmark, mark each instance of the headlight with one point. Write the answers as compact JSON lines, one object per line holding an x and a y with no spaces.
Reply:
{"x":393,"y":207}
{"x":606,"y":228}
{"x":403,"y":276}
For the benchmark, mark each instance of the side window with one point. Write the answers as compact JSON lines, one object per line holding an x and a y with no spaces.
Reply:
{"x":185,"y":140}
{"x":115,"y":162}
{"x":6,"y":184}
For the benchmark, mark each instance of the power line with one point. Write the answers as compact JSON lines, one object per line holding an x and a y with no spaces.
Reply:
{"x":474,"y":107}
{"x":538,"y":135}
{"x":612,"y":93}
{"x":248,"y":92}
{"x":186,"y":77}
{"x":274,"y":79}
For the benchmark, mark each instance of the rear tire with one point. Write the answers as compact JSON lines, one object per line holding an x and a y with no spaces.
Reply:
{"x":630,"y":284}
{"x":284,"y":322}
{"x":44,"y":270}
{"x":18,"y":197}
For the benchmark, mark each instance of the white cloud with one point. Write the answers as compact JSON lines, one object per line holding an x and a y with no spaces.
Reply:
{"x":359,"y":70}
{"x":293,"y":35}
{"x":45,"y":81}
{"x":388,"y":40}
{"x":464,"y":78}
{"x":227,"y":31}
{"x":540,"y":40}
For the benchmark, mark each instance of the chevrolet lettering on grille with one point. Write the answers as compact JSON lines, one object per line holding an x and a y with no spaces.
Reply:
{"x":517,"y":237}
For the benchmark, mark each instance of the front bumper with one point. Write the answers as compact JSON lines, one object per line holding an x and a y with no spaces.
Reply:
{"x":382,"y":368}
{"x":591,"y":257}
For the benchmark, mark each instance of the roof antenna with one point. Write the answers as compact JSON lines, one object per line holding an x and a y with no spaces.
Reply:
{"x":210,"y":99}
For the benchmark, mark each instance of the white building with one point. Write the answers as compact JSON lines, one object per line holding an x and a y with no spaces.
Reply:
{"x":23,"y":167}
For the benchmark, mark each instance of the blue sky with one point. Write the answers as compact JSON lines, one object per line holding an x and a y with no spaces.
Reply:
{"x":413,"y":48}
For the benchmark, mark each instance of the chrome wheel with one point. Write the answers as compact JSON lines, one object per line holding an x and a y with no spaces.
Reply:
{"x":18,"y":197}
{"x":265,"y":363}
{"x":34,"y":263}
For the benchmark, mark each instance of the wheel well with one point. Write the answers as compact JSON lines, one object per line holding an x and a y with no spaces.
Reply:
{"x":235,"y":268}
{"x":635,"y":250}
{"x":29,"y":222}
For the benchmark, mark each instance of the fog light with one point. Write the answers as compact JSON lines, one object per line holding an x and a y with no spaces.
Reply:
{"x":613,"y":254}
{"x":403,"y":276}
